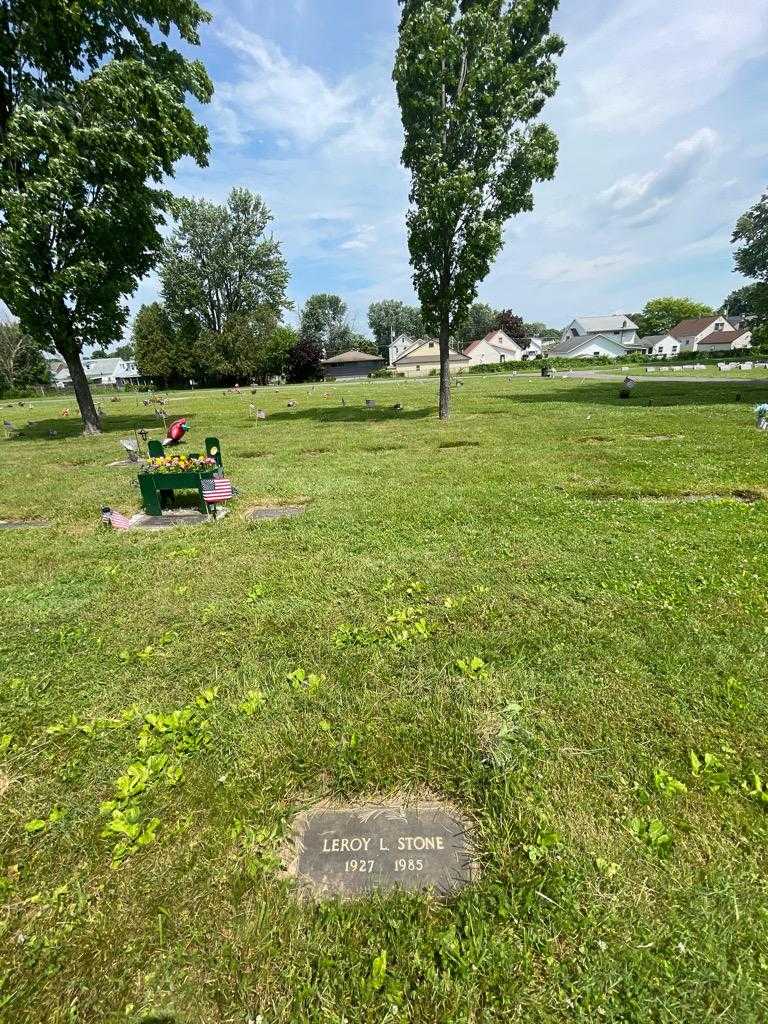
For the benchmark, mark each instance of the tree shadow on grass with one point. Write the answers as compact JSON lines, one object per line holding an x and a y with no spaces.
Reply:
{"x":657,"y":393}
{"x":122,"y":423}
{"x":349,"y":414}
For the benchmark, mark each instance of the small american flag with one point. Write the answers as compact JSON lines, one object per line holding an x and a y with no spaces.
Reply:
{"x":218,"y":489}
{"x":115,"y":519}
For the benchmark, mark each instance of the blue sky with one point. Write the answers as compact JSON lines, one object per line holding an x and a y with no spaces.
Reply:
{"x":661,"y":119}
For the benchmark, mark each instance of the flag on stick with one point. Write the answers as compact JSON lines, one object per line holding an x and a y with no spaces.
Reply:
{"x":218,"y":489}
{"x":115,"y":519}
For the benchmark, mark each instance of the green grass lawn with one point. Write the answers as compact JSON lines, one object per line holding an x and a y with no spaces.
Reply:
{"x":610,"y":755}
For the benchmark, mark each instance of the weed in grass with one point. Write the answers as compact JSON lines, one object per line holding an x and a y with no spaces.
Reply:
{"x":667,"y":784}
{"x":653,"y":833}
{"x":474,"y":669}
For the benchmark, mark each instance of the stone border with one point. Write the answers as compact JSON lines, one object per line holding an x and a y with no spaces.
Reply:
{"x":175,"y":518}
{"x":24,"y":524}
{"x":306,"y":888}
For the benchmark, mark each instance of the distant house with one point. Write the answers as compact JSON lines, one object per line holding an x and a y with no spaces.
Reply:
{"x":534,"y":348}
{"x":710,"y":334}
{"x":726,"y":341}
{"x":616,"y":327}
{"x":402,"y":344}
{"x":590,"y":346}
{"x":495,"y":347}
{"x":351,"y":365}
{"x":110,"y":372}
{"x":424,"y":356}
{"x":660,"y":346}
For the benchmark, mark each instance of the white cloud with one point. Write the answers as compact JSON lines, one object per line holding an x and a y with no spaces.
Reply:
{"x":641,"y":198}
{"x":652,"y":60}
{"x":563,"y":269}
{"x":279,"y":95}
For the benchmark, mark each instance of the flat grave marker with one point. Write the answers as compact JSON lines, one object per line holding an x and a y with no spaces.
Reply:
{"x":276,"y":512}
{"x":365,"y":848}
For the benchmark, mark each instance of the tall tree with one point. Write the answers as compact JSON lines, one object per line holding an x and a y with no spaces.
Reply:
{"x":325,"y":325}
{"x":472,"y":77}
{"x":163,"y":353}
{"x":93,"y":116}
{"x":750,"y":301}
{"x":390,"y":318}
{"x":480,"y":319}
{"x":220,"y":266}
{"x":512,"y":325}
{"x":752,"y":234}
{"x":224,"y":282}
{"x":22,"y":364}
{"x":660,"y":315}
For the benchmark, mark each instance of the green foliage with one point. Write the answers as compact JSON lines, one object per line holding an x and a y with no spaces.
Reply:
{"x":667,"y":784}
{"x":224,"y":283}
{"x":751,"y":235}
{"x":472,"y":668}
{"x":163,"y":354}
{"x":653,"y":833}
{"x":659,"y":316}
{"x":512,"y":325}
{"x":481,"y":319}
{"x":324,"y":331}
{"x":85,"y":141}
{"x":472,"y":79}
{"x":22,"y":364}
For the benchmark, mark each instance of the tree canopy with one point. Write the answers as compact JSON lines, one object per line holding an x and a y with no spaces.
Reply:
{"x":93,"y":117}
{"x":512,"y":325}
{"x":390,"y":318}
{"x":22,"y":364}
{"x":480,"y":319}
{"x":751,"y":236}
{"x":659,"y":316}
{"x":750,"y":301}
{"x":472,"y":78}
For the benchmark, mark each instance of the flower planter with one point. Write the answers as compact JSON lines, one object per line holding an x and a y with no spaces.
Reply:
{"x":157,"y":489}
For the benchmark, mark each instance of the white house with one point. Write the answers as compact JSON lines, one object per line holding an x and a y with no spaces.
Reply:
{"x":495,"y":347}
{"x":534,"y":348}
{"x":660,"y":346}
{"x":590,"y":346}
{"x":710,"y":334}
{"x":617,"y":327}
{"x":112,"y":372}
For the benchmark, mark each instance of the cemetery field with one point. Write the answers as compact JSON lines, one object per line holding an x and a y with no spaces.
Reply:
{"x":550,"y":612}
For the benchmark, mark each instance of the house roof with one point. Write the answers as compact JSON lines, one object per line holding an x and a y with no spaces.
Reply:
{"x":101,"y":367}
{"x":688,"y":328}
{"x":722,"y":337}
{"x":613,"y":322}
{"x":353,"y":356}
{"x":564,"y":348}
{"x":492,"y":334}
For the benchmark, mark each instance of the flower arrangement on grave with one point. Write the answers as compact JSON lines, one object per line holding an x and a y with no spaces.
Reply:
{"x":180,"y":464}
{"x":761,"y":412}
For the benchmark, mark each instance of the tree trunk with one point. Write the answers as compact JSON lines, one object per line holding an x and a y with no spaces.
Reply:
{"x":445,"y":370}
{"x":91,"y":421}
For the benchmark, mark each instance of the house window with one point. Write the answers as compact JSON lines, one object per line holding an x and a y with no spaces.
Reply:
{"x":675,"y":348}
{"x":502,"y":359}
{"x":417,"y":366}
{"x":431,"y":344}
{"x":718,"y":327}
